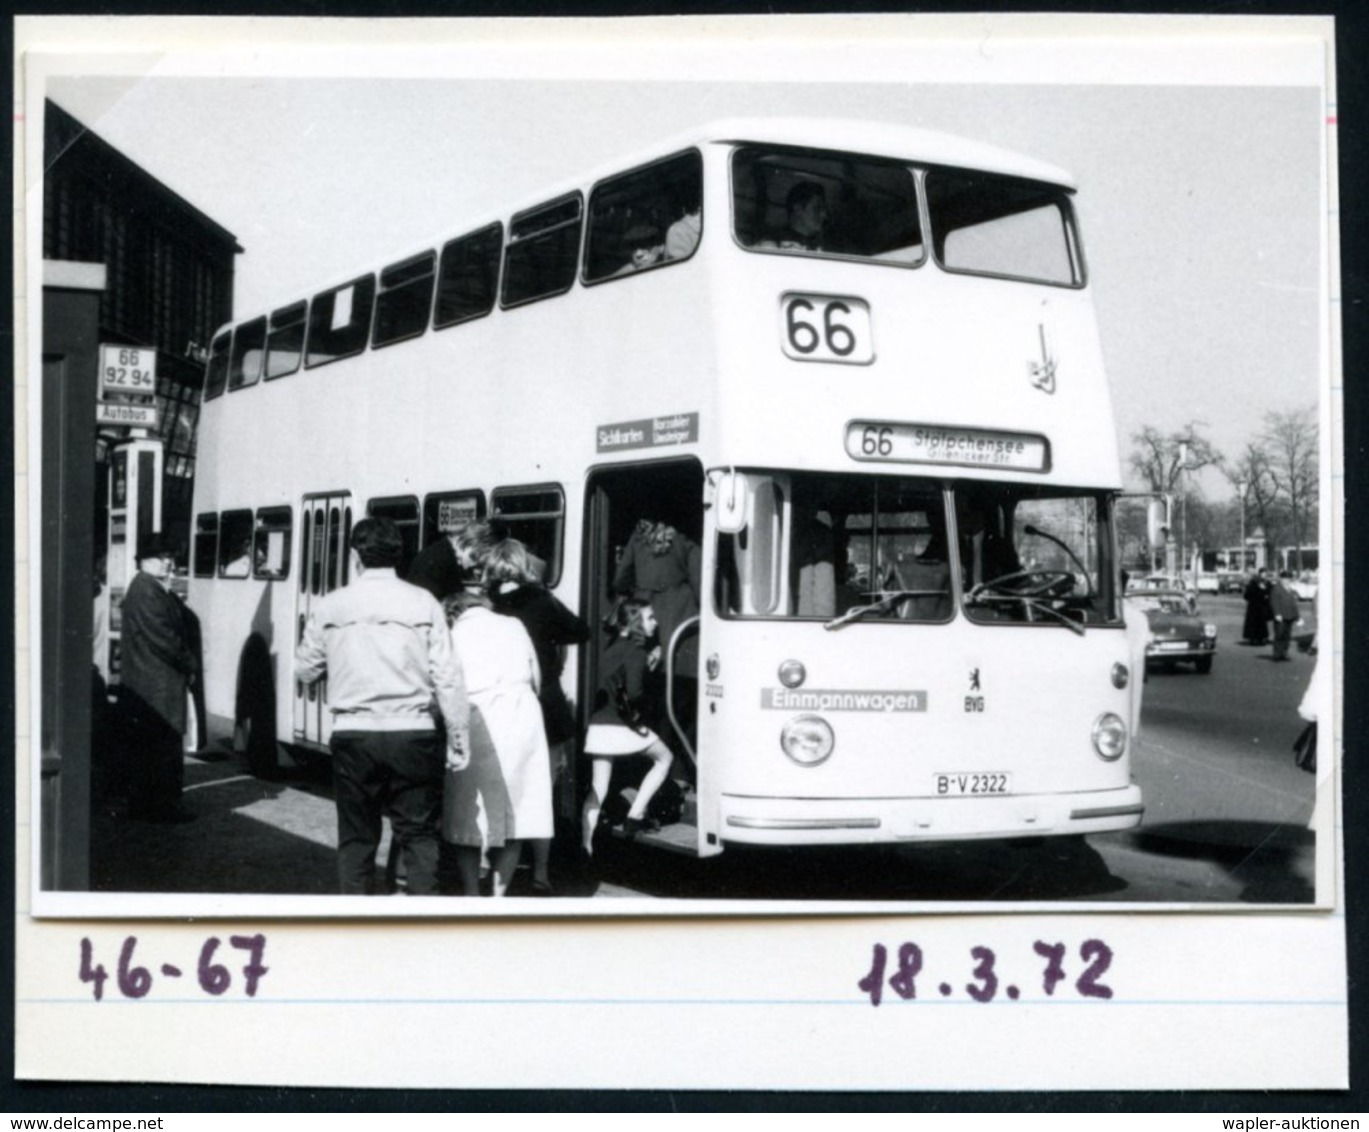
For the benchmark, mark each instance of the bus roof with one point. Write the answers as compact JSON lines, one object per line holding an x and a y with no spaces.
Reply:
{"x":883,"y":139}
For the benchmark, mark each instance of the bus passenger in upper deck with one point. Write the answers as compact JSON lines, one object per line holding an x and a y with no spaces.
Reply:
{"x":805,"y":208}
{"x":648,"y":248}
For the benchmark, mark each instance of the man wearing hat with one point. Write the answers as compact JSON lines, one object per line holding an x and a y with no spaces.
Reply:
{"x":156,"y":668}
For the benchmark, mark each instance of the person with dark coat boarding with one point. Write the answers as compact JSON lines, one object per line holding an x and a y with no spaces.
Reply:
{"x":156,"y":669}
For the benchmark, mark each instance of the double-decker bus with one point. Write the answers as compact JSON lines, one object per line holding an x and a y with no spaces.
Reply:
{"x":882,"y":418}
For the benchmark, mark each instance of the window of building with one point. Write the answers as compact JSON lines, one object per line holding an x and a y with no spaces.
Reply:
{"x":271,"y":543}
{"x":448,"y":511}
{"x":235,"y":544}
{"x":206,"y":552}
{"x":216,"y":374}
{"x":543,"y":245}
{"x":468,"y":276}
{"x":405,"y":300}
{"x":402,"y":511}
{"x":285,"y":345}
{"x":249,"y":352}
{"x":536,"y":516}
{"x":340,"y":321}
{"x":645,"y":218}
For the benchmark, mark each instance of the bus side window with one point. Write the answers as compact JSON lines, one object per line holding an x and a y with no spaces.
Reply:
{"x":544,"y":244}
{"x":285,"y":343}
{"x":645,"y":217}
{"x":249,"y":350}
{"x":206,"y":552}
{"x":216,"y":375}
{"x":406,"y":297}
{"x":271,"y":543}
{"x":403,"y":512}
{"x":340,"y":321}
{"x":468,"y":277}
{"x":447,"y":511}
{"x":235,"y":544}
{"x":536,"y":517}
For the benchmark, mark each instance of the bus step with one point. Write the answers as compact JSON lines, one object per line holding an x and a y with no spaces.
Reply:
{"x":678,"y":837}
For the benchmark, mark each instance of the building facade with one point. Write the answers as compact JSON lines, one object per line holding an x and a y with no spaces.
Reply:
{"x":168,"y":285}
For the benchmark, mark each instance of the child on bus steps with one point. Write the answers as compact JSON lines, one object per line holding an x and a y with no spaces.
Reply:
{"x":616,"y":728}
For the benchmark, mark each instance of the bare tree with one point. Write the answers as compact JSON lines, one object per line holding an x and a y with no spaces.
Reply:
{"x":1260,"y":500}
{"x":1165,"y":461}
{"x":1290,"y":441}
{"x":1161,"y":459}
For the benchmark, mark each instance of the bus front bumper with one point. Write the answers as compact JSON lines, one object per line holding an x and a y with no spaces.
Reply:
{"x":836,"y":821}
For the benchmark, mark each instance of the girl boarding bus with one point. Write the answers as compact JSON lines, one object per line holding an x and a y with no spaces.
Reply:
{"x":847,"y":373}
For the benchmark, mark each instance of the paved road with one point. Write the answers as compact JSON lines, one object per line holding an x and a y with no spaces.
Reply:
{"x":1225,"y":823}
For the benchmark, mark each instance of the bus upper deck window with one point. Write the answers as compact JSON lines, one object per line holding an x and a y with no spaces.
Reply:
{"x":544,"y":243}
{"x":468,"y":277}
{"x":249,"y":351}
{"x":405,"y":299}
{"x":340,"y":321}
{"x":989,"y":225}
{"x":216,"y":373}
{"x":813,"y":202}
{"x":285,"y":343}
{"x":644,"y":218}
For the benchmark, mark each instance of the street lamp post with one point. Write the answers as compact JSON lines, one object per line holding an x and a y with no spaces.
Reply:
{"x":1240,"y":492}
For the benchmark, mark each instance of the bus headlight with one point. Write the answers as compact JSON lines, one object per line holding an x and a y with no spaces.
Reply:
{"x":807,"y":739}
{"x":1120,"y":676}
{"x":1109,"y":736}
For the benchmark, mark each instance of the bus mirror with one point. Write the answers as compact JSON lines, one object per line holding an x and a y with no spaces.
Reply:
{"x":729,"y":501}
{"x":1157,"y":522}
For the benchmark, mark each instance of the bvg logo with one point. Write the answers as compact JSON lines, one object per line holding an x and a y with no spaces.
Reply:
{"x":974,"y":703}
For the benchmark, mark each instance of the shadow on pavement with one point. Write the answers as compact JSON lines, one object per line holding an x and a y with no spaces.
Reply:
{"x":1020,"y":870}
{"x":1273,"y":861}
{"x":225,"y":849}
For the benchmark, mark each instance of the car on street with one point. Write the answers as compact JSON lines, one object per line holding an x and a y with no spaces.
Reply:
{"x":1231,"y":583}
{"x":1305,"y":587}
{"x":1164,"y":583}
{"x":1174,"y":632}
{"x":1209,"y":584}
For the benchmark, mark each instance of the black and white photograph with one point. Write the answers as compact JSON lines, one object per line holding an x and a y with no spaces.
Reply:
{"x":561,"y":479}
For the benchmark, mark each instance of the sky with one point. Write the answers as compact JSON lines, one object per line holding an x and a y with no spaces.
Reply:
{"x":1199,"y":161}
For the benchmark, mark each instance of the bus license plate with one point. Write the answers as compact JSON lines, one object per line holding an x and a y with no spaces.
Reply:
{"x":972,"y":784}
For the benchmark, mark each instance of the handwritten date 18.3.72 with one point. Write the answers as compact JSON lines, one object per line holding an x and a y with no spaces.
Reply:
{"x":906,"y":977}
{"x":134,"y":980}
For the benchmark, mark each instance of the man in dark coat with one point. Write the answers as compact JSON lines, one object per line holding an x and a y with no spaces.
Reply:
{"x":156,"y":667}
{"x":1257,"y":608}
{"x":1284,"y":609}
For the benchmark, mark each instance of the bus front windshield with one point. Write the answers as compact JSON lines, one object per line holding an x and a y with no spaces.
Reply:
{"x":844,"y":549}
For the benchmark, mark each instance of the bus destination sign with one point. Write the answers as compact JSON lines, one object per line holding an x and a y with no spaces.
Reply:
{"x":651,"y":432}
{"x":942,"y":444}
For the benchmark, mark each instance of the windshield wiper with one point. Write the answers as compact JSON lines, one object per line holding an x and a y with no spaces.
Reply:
{"x":886,"y":604}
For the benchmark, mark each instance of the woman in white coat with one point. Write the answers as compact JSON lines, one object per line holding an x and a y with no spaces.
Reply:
{"x":510,"y":779}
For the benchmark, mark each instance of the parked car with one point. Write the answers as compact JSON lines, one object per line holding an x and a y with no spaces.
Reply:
{"x":1209,"y":584}
{"x":1231,"y":583}
{"x":1176,"y":633}
{"x":1164,"y":583}
{"x":1305,"y":586}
